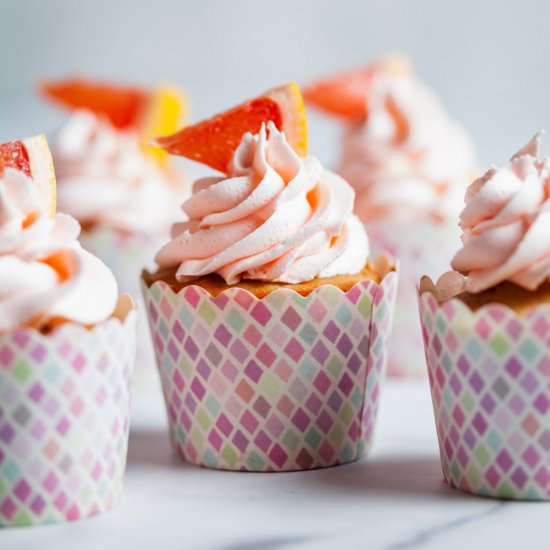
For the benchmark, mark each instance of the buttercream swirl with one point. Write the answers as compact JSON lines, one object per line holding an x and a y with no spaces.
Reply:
{"x":408,"y":159}
{"x":44,"y":272}
{"x":105,"y":179}
{"x":275,"y":217}
{"x":506,"y":223}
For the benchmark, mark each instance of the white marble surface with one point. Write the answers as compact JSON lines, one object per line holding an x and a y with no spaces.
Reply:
{"x":394,"y":500}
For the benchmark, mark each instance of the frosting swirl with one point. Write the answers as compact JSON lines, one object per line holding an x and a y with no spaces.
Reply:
{"x":408,"y":159}
{"x":44,"y":273}
{"x":276,"y":217}
{"x":105,"y":179}
{"x":505,"y":224}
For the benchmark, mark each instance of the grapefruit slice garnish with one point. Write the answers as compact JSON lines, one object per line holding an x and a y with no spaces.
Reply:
{"x":150,"y":112}
{"x":213,"y":141}
{"x":346,"y":95}
{"x":32,"y":157}
{"x":121,"y":105}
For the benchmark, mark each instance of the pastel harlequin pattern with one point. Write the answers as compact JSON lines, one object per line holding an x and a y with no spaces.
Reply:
{"x":64,"y":419}
{"x":127,"y":254}
{"x":283,"y":383}
{"x":490,"y":379}
{"x":427,"y":250}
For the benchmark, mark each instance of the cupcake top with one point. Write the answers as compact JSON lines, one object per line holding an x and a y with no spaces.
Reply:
{"x":408,"y":159}
{"x":402,"y":153}
{"x":505,"y":224}
{"x":104,"y":177}
{"x":44,"y":272}
{"x":274,"y":216}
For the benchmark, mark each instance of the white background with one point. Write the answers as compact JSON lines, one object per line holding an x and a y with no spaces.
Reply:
{"x":489,"y":60}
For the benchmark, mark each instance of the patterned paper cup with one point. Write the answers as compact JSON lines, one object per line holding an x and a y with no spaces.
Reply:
{"x":64,"y":411}
{"x":490,"y":378}
{"x":424,"y":248}
{"x":127,"y":254}
{"x":282,"y":383}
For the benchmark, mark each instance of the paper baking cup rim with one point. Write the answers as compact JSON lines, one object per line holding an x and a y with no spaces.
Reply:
{"x":75,"y":328}
{"x":427,"y":297}
{"x":231,"y":291}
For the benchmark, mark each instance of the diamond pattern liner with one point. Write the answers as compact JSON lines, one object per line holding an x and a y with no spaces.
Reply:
{"x":126,"y":255}
{"x":490,"y":379}
{"x":64,"y":407}
{"x":406,"y":355}
{"x":283,"y":383}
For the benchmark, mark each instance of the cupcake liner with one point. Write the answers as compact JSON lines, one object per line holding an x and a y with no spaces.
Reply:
{"x":489,"y":374}
{"x":425,"y":248}
{"x":282,"y":383}
{"x":64,"y":418}
{"x":127,"y":254}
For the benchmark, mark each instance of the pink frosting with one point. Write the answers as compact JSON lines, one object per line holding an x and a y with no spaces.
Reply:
{"x":103,"y":178}
{"x":506,"y":224}
{"x":275,"y":217}
{"x":409,"y":159}
{"x":44,"y":272}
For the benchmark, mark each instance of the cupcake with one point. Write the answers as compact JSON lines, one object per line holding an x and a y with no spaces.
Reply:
{"x":486,"y":328}
{"x":66,"y":355}
{"x":124,"y":194}
{"x":409,"y":164}
{"x":268,"y":320}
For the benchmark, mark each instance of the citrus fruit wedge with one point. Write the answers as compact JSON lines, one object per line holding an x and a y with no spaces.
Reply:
{"x":121,"y":105}
{"x":150,"y":112}
{"x":32,"y":157}
{"x":166,"y":109}
{"x":346,"y":95}
{"x":213,"y":141}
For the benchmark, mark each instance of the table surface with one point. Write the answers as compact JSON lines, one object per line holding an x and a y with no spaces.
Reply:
{"x":395,"y":499}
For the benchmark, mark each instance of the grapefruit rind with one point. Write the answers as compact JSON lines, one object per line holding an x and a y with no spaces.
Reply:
{"x":166,"y":110}
{"x":397,"y":64}
{"x":293,"y":110}
{"x":41,"y":170}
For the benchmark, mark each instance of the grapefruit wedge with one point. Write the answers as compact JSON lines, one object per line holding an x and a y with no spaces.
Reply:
{"x":213,"y":141}
{"x":121,"y":105}
{"x":346,"y":95}
{"x":32,"y":157}
{"x":166,"y":109}
{"x":150,"y":112}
